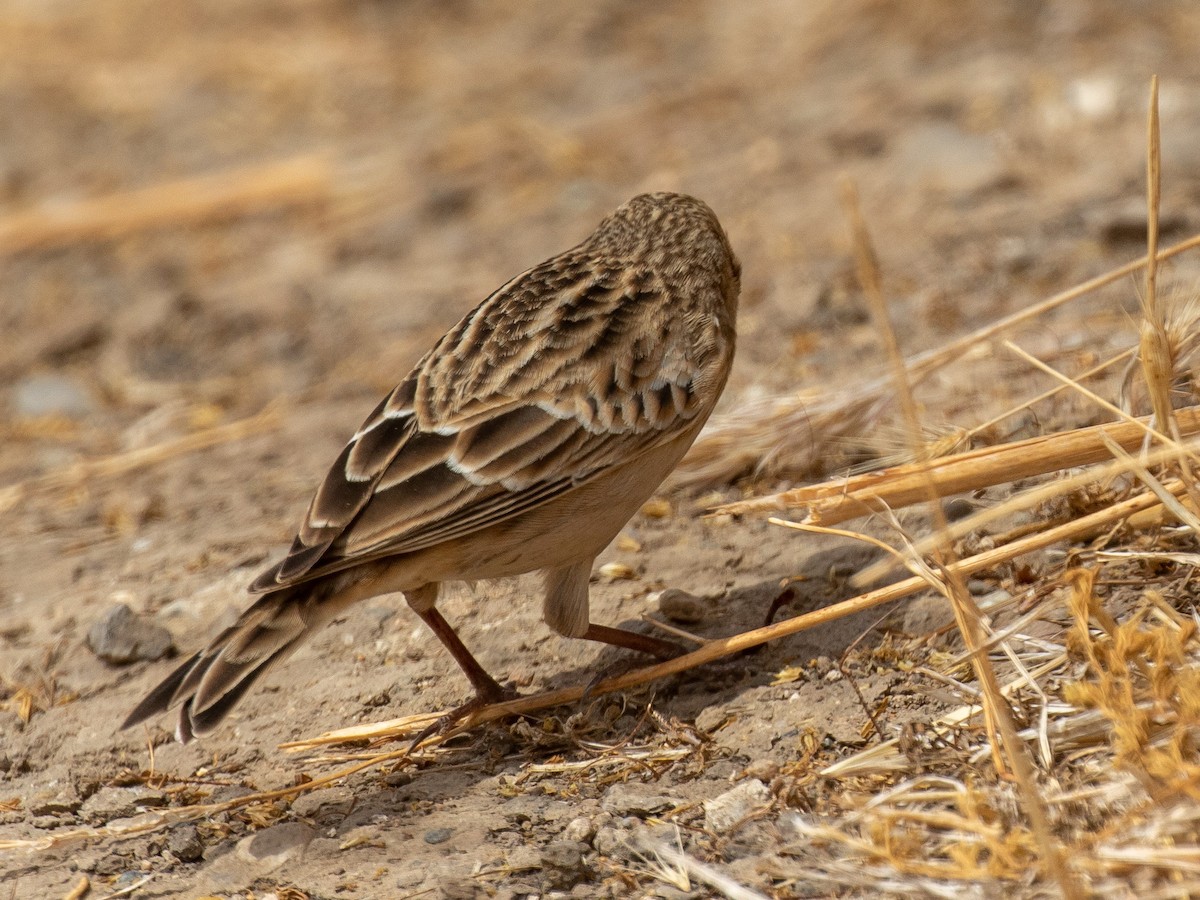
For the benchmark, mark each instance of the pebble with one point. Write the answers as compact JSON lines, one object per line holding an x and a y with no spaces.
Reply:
{"x":54,"y":803}
{"x":712,"y":718}
{"x":51,"y":395}
{"x":635,"y":800}
{"x":615,"y":571}
{"x":118,"y":802}
{"x":523,"y":857}
{"x":945,"y":157}
{"x":581,"y":830}
{"x":723,"y":812}
{"x":274,"y":846}
{"x":121,"y":637}
{"x":609,"y":840}
{"x":185,"y":843}
{"x":461,"y":889}
{"x":563,"y":864}
{"x":438,"y":835}
{"x":681,"y":607}
{"x":128,"y":879}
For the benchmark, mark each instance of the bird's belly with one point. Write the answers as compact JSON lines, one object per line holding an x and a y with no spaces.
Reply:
{"x":572,"y":528}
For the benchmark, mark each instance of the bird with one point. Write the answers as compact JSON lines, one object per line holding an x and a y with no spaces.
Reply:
{"x":523,"y":441}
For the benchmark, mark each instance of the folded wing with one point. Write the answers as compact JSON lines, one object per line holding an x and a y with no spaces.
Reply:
{"x":481,"y":432}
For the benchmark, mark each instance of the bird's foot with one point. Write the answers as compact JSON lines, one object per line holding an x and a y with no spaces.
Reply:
{"x":482,"y":699}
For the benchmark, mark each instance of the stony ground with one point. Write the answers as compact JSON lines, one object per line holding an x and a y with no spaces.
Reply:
{"x":998,"y":149}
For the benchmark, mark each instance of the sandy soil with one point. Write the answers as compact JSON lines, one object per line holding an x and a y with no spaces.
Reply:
{"x":998,"y":149}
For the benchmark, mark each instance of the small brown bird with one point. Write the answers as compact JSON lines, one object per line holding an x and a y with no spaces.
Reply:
{"x":524,"y":440}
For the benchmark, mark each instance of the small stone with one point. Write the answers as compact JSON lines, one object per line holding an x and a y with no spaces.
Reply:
{"x":121,"y":637}
{"x":609,"y":840}
{"x":670,"y":892}
{"x":723,"y":812}
{"x":713,"y":718}
{"x":461,"y":889}
{"x":523,"y":858}
{"x":119,"y":802}
{"x":51,"y":395}
{"x":681,"y":607}
{"x":957,"y":508}
{"x":185,"y":843}
{"x":627,"y":542}
{"x":580,"y":830}
{"x":438,"y":835}
{"x":635,"y":800}
{"x":49,"y":823}
{"x":55,"y":803}
{"x":563,"y":864}
{"x":946,"y":158}
{"x":410,"y":878}
{"x":274,"y":846}
{"x":762,"y":769}
{"x":656,"y":508}
{"x":563,"y":854}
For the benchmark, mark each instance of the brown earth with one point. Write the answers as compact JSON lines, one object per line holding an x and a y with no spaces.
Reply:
{"x":999,"y":152}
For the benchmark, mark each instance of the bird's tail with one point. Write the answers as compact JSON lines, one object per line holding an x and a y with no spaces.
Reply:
{"x":210,"y":683}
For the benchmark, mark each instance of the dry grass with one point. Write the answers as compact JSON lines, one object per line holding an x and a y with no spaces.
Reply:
{"x":224,"y":195}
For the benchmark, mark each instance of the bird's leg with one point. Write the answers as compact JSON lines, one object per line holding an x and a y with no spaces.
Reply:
{"x":566,"y":611}
{"x":487,"y":689}
{"x":631,"y":640}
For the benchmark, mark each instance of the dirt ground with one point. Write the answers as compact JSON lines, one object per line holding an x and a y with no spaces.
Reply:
{"x":999,"y":152}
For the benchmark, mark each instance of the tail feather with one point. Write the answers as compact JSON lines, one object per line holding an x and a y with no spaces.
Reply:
{"x":210,"y":683}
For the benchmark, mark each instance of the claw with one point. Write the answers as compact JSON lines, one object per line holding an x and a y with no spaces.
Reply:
{"x":449,"y":720}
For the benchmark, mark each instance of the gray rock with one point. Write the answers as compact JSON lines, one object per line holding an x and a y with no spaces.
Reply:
{"x":49,"y":823}
{"x":55,"y":803}
{"x":580,"y":830}
{"x":723,"y":812}
{"x":563,"y":865}
{"x":948,"y":158}
{"x":50,"y":395}
{"x":272,"y":847}
{"x":121,"y":637}
{"x":461,"y":889}
{"x":438,"y":835}
{"x":119,"y":802}
{"x":635,"y":800}
{"x":609,"y":840}
{"x":681,"y":607}
{"x":185,"y":843}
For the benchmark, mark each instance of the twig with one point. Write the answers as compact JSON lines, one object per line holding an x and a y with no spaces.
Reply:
{"x":996,"y":710}
{"x":132,"y":460}
{"x":224,"y":195}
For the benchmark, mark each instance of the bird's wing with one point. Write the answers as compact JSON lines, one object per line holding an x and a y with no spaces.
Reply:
{"x":524,"y":400}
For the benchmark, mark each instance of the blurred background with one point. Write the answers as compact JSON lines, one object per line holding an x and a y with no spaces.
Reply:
{"x":373,"y":169}
{"x":206,"y":209}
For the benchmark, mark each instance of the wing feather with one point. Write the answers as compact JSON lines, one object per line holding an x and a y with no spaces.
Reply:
{"x":482,"y":430}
